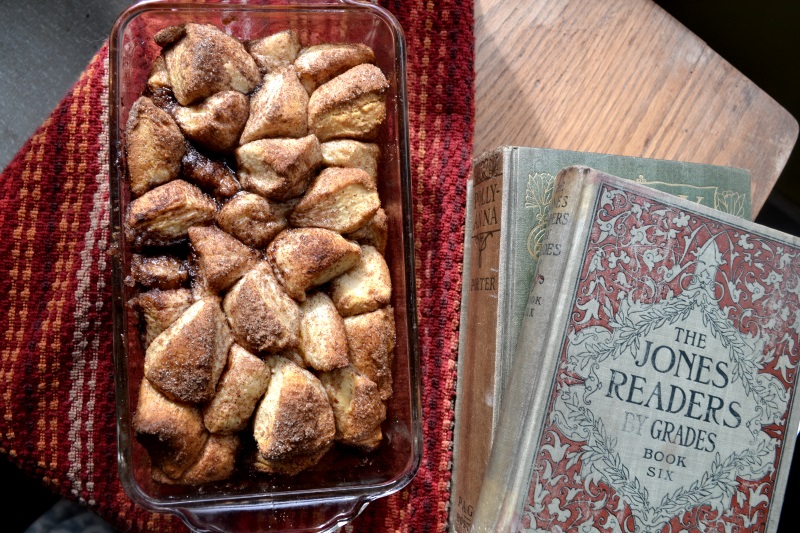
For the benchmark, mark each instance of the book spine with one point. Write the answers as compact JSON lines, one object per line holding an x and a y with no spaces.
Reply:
{"x":476,"y":371}
{"x":507,"y":476}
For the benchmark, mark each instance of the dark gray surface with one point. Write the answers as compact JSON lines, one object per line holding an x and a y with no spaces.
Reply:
{"x":44,"y":46}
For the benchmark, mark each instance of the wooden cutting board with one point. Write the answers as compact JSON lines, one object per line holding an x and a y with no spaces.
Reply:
{"x":620,"y":77}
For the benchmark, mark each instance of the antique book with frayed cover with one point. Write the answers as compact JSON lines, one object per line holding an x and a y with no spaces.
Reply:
{"x":507,"y":210}
{"x":653,"y":385}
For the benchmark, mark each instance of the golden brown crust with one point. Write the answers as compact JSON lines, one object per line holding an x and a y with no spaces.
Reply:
{"x":202,"y":60}
{"x":221,"y":260}
{"x":357,"y":405}
{"x":294,"y":418}
{"x":164,"y":215}
{"x":323,"y":342}
{"x":279,"y":108}
{"x":154,"y":146}
{"x":171,"y":432}
{"x":215,"y":123}
{"x":159,"y":309}
{"x":278,"y":169}
{"x":374,"y":233}
{"x":350,"y":106}
{"x":209,"y":174}
{"x":291,"y":465}
{"x":352,"y":154}
{"x":320,"y":63}
{"x":158,"y":77}
{"x":217,"y":462}
{"x":243,"y":383}
{"x":159,"y":272}
{"x":262,"y":317}
{"x":274,"y":51}
{"x":186,"y":360}
{"x":252,"y":219}
{"x":371,"y":340}
{"x":303,"y":258}
{"x":365,"y":287}
{"x":339,"y":199}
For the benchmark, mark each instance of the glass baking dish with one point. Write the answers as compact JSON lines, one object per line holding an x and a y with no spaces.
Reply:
{"x":337,"y":489}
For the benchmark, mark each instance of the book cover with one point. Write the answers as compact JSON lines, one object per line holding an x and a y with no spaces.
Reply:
{"x":506,"y":216}
{"x":653,"y":387}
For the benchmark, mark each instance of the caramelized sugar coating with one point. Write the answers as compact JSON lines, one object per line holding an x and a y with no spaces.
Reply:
{"x":323,"y":341}
{"x":220,"y":259}
{"x":289,"y":465}
{"x":202,"y":60}
{"x":303,"y":258}
{"x":226,"y":152}
{"x":275,"y":51}
{"x":339,"y":199}
{"x":350,"y":106}
{"x":243,"y":383}
{"x":216,"y":122}
{"x":158,"y":77}
{"x":278,"y":169}
{"x":186,"y":360}
{"x":352,"y":154}
{"x":371,"y":339}
{"x":217,"y":461}
{"x":357,"y":406}
{"x":262,"y":316}
{"x":323,"y":62}
{"x":365,"y":287}
{"x":172,"y":433}
{"x":279,"y":108}
{"x":252,"y":219}
{"x":294,"y":420}
{"x":374,"y":233}
{"x":154,"y":147}
{"x":164,"y":215}
{"x":159,"y":309}
{"x":211,"y":175}
{"x":159,"y":272}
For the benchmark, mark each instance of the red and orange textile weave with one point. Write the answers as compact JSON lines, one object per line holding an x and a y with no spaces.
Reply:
{"x":57,"y":410}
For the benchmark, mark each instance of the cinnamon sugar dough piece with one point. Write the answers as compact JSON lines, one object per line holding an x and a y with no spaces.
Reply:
{"x":365,"y":287}
{"x":154,"y":146}
{"x":262,"y":316}
{"x":339,"y":199}
{"x":303,"y":258}
{"x":350,"y":106}
{"x":320,"y":63}
{"x":202,"y":60}
{"x":371,"y":340}
{"x":323,"y":341}
{"x":278,"y":169}
{"x":216,"y":122}
{"x":294,"y":423}
{"x":186,"y":360}
{"x":172,"y":432}
{"x":243,"y":383}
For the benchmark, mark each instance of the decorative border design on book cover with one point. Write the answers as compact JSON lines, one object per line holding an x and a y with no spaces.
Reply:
{"x":668,"y":411}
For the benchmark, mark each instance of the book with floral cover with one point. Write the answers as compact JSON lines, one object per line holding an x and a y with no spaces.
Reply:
{"x":507,"y":211}
{"x":653,"y":387}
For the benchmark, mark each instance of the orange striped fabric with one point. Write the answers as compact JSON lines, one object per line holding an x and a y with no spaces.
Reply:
{"x":57,"y":410}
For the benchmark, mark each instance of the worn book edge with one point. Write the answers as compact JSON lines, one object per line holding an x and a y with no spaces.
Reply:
{"x":508,"y":476}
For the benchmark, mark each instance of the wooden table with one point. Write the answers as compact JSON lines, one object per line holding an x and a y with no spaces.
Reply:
{"x":620,"y":77}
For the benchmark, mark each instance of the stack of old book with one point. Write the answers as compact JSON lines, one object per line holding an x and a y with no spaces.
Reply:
{"x":629,"y":348}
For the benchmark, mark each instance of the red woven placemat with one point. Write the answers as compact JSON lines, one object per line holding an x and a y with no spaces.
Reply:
{"x":57,"y":410}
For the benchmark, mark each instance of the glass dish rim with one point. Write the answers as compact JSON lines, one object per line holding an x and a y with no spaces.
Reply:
{"x":360,"y":495}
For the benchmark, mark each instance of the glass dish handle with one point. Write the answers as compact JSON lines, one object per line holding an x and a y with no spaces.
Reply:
{"x":322,"y":517}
